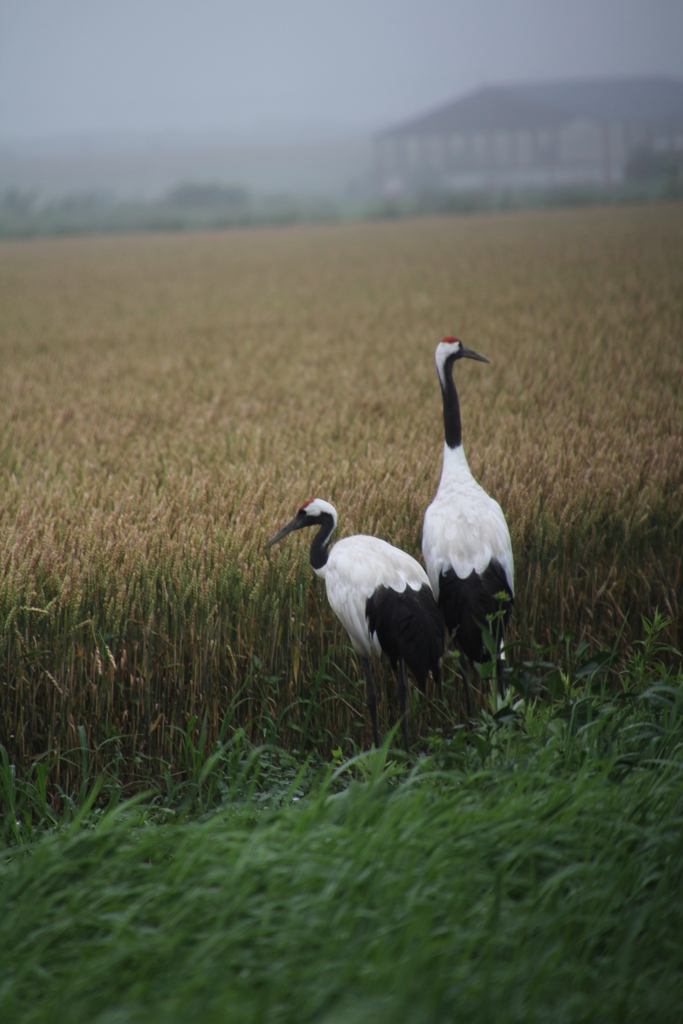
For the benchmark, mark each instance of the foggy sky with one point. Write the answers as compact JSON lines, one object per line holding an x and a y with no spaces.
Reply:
{"x":70,"y":67}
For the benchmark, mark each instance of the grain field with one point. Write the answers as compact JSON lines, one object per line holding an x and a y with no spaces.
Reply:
{"x":167,"y":402}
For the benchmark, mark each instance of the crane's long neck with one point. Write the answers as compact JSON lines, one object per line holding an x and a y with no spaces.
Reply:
{"x":451,"y":407}
{"x":321,"y":542}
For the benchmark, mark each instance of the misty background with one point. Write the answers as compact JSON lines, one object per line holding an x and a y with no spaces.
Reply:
{"x":271,"y":104}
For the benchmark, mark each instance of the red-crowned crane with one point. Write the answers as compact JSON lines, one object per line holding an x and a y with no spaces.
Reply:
{"x":465,"y":539}
{"x":382,"y":597}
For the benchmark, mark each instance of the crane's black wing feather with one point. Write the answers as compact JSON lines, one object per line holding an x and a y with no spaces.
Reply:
{"x":408,"y":626}
{"x":465,"y":603}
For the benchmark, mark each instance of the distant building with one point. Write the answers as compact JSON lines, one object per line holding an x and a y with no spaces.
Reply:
{"x":543,"y":134}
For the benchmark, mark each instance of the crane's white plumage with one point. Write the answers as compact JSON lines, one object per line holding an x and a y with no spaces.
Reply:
{"x":465,"y":539}
{"x":464,"y":527}
{"x":355,"y":568}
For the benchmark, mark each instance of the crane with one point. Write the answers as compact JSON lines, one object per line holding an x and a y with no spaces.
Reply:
{"x":382,"y":597}
{"x":465,"y":538}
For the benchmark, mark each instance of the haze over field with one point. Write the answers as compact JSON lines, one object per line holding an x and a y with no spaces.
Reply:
{"x":271,"y":95}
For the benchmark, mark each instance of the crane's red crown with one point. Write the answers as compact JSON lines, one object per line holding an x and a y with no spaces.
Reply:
{"x":306,"y":504}
{"x":450,"y":340}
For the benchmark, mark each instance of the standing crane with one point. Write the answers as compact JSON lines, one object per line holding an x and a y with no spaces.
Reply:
{"x":382,"y":597}
{"x":465,"y":539}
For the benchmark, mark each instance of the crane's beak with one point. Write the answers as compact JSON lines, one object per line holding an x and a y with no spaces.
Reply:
{"x":295,"y":524}
{"x":468,"y":353}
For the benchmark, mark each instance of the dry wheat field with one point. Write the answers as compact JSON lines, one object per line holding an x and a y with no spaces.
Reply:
{"x":167,"y":402}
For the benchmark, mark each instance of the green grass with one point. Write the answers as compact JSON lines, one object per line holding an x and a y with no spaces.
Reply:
{"x":529,"y":872}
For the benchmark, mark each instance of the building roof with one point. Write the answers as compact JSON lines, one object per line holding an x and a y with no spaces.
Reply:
{"x":551,"y":104}
{"x":610,"y":100}
{"x":488,"y":109}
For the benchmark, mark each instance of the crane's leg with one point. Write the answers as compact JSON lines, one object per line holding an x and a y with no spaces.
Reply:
{"x":403,"y":697}
{"x":371,"y":698}
{"x":465,"y":672}
{"x":500,"y":660}
{"x":500,"y":671}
